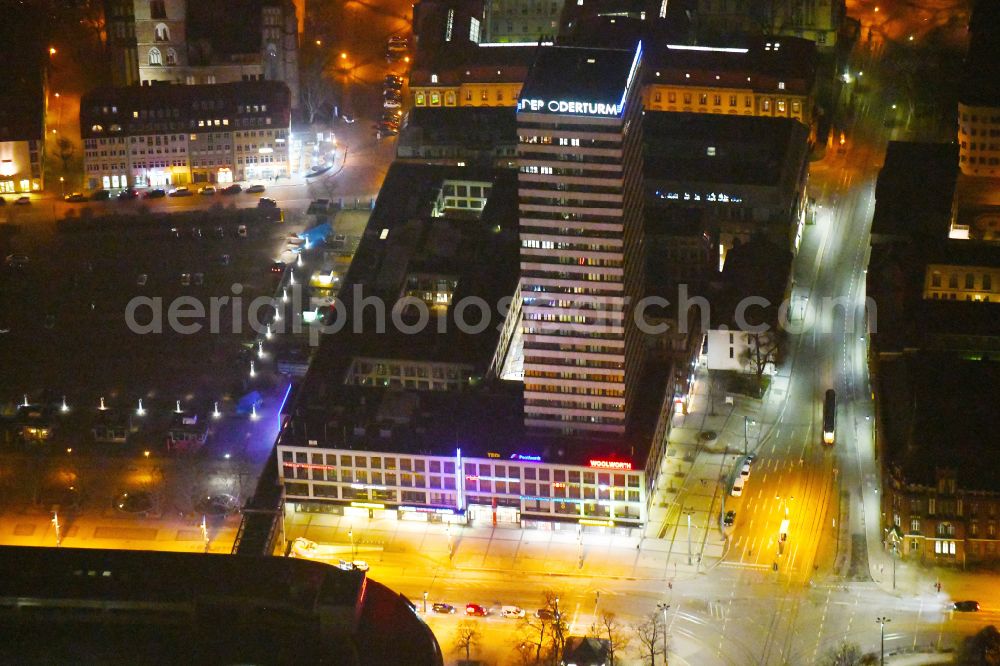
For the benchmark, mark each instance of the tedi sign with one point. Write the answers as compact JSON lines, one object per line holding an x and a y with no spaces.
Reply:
{"x":563,"y":106}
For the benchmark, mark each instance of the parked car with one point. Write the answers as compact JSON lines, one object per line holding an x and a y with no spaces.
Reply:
{"x":100,"y":195}
{"x":185,"y":279}
{"x":393,"y":81}
{"x":545,"y":614}
{"x":142,"y":279}
{"x":278,"y":268}
{"x":208,"y":189}
{"x":392,"y":103}
{"x":220,"y":232}
{"x":387,"y":128}
{"x":255,"y":189}
{"x":231,"y":189}
{"x":737,"y":490}
{"x":75,"y":197}
{"x":22,"y":201}
{"x":196,"y":233}
{"x":745,"y":472}
{"x":199,"y":278}
{"x":181,"y":192}
{"x":729,"y":519}
{"x":16,"y":261}
{"x":241,"y":231}
{"x":476,"y":610}
{"x":512,"y":611}
{"x":154,"y":194}
{"x":266,"y":202}
{"x":443,"y":608}
{"x":966,"y":606}
{"x":128,"y":195}
{"x":348,"y":118}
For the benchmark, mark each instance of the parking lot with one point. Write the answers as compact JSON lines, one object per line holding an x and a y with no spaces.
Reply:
{"x":63,"y":304}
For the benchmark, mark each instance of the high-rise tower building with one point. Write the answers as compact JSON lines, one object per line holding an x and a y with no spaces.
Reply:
{"x":579,"y":123}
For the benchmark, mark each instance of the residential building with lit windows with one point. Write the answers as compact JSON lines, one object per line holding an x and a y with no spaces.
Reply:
{"x":579,"y":123}
{"x":521,"y":20}
{"x":774,"y":78}
{"x":192,"y":43}
{"x":168,"y":135}
{"x":22,"y":111}
{"x":937,"y":429}
{"x":979,"y":96}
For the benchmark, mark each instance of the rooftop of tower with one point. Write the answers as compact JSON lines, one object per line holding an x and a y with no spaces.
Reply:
{"x":586,"y":75}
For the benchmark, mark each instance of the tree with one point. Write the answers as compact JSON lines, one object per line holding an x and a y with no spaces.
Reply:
{"x":611,"y":629}
{"x":315,"y":88}
{"x":845,"y":654}
{"x":467,"y":637}
{"x":647,"y":632}
{"x":65,"y":151}
{"x":980,"y":649}
{"x":762,"y":350}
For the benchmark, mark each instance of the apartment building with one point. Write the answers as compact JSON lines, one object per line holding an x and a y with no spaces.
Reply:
{"x":170,"y":135}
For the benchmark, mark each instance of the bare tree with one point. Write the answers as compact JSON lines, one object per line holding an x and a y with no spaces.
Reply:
{"x":558,"y":628}
{"x":612,"y":630}
{"x":316,"y":89}
{"x":533,"y":641}
{"x":763,"y":349}
{"x":467,"y":637}
{"x":848,"y":654}
{"x":647,"y":632}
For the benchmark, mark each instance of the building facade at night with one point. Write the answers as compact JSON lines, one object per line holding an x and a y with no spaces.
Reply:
{"x":176,"y":41}
{"x":579,"y":123}
{"x":163,"y":136}
{"x":816,"y":20}
{"x":773,"y":78}
{"x":22,"y":112}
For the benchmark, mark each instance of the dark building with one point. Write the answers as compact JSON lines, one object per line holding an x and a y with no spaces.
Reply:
{"x":63,"y":605}
{"x":119,"y":18}
{"x":938,"y":433}
{"x":471,"y":136}
{"x":24,"y":53}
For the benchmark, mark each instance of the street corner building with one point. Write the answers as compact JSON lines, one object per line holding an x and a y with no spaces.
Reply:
{"x":170,"y":135}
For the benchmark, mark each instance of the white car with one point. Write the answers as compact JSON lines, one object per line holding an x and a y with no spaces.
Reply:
{"x":745,"y":472}
{"x":392,"y":104}
{"x":512,"y":611}
{"x":738,"y":487}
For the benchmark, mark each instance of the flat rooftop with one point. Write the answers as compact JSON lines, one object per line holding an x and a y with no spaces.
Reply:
{"x":914,"y":190}
{"x":939,"y":411}
{"x":693,"y":148}
{"x":577,"y":74}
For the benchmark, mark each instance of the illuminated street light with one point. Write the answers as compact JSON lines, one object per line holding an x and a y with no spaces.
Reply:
{"x":253,"y":412}
{"x":343,"y":56}
{"x":253,"y":372}
{"x":267,"y":333}
{"x":52,"y":50}
{"x":319,"y":42}
{"x":65,"y":407}
{"x":291,"y":276}
{"x":177,"y":408}
{"x":102,"y":407}
{"x":260,"y":349}
{"x":911,"y":38}
{"x":140,"y":411}
{"x":284,"y":295}
{"x":25,"y":400}
{"x":215,"y":412}
{"x":354,"y":553}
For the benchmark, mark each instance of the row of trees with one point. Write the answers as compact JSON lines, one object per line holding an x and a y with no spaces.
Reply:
{"x":541,"y":641}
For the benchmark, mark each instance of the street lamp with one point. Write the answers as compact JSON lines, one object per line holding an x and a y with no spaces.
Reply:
{"x":664,"y":608}
{"x":881,"y":622}
{"x":688,"y":512}
{"x":425,"y":603}
{"x":746,"y":437}
{"x":350,"y":533}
